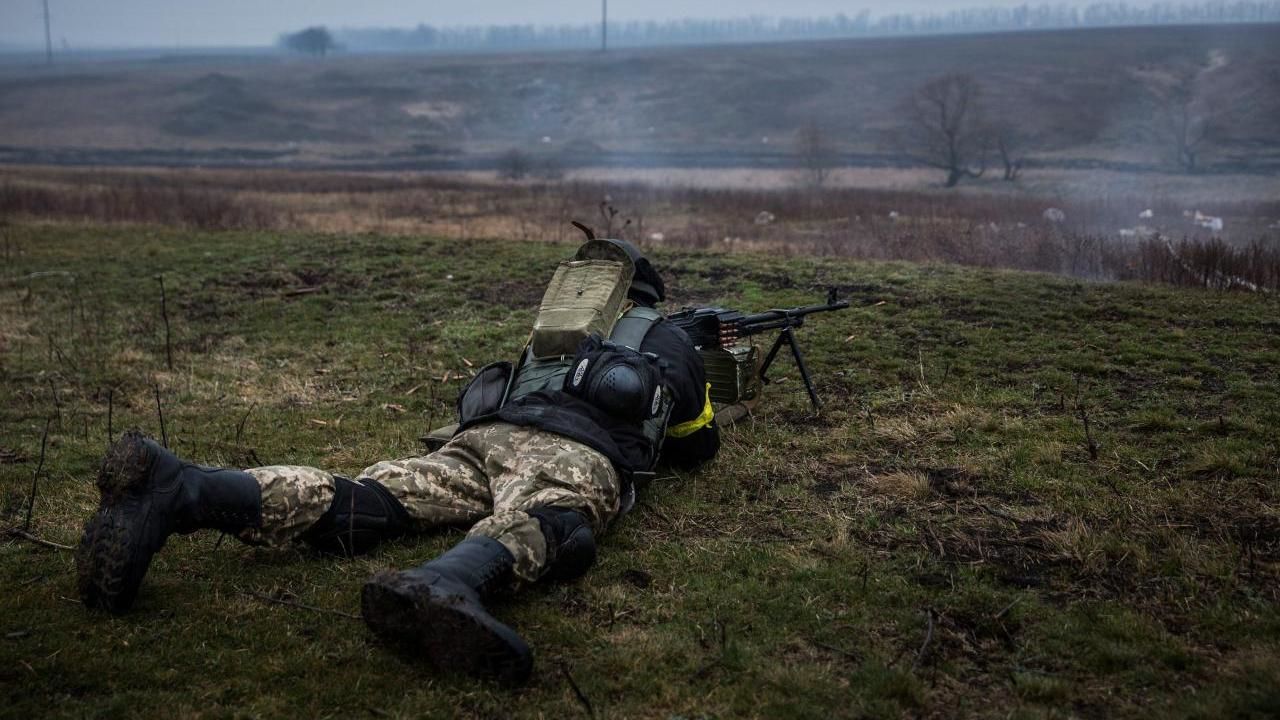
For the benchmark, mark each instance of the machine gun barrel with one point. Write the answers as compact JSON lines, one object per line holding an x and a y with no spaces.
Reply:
{"x":784,"y":317}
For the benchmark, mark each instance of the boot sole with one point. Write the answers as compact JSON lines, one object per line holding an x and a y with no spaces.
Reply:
{"x":422,"y":621}
{"x":105,"y":549}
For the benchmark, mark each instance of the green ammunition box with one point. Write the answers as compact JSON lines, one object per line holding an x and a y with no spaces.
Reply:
{"x":732,"y":372}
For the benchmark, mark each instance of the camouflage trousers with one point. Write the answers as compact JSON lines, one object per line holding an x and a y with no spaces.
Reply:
{"x":487,"y":477}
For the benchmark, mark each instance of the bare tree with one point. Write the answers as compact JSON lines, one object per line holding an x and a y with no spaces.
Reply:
{"x":1181,"y":114}
{"x":314,"y":40}
{"x":816,"y":156}
{"x":1009,"y":144}
{"x":1183,"y":118}
{"x":945,"y":127}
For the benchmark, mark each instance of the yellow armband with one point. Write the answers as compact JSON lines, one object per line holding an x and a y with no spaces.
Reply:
{"x":688,"y":428}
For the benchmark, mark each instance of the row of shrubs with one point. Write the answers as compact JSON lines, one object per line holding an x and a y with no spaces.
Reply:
{"x":140,"y":202}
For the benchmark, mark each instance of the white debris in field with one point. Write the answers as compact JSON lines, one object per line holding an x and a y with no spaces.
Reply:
{"x":448,"y":277}
{"x":1054,"y":215}
{"x":1138,"y":231}
{"x":1146,"y":214}
{"x":546,"y":139}
{"x":731,"y":240}
{"x":993,"y":227}
{"x":893,"y":214}
{"x":764,"y":140}
{"x":764,"y":217}
{"x":1186,"y":213}
{"x":1021,"y":225}
{"x":657,"y":237}
{"x":1208,"y":221}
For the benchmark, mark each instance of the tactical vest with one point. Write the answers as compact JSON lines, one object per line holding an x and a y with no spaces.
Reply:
{"x":534,"y":374}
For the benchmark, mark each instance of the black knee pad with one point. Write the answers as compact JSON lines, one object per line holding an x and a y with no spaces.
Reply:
{"x":363,"y":514}
{"x":571,"y":546}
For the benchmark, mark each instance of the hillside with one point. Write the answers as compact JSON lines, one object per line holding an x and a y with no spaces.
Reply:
{"x":1077,"y":95}
{"x":947,"y":538}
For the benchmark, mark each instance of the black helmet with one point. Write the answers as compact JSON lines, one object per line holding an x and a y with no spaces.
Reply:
{"x":647,"y":287}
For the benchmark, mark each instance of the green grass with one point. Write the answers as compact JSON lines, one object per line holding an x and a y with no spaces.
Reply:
{"x":948,"y":485}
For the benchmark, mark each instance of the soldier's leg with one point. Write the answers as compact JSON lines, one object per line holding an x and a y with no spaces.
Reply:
{"x":148,"y":494}
{"x":293,"y":499}
{"x":390,"y":498}
{"x":551,"y":497}
{"x":437,"y":609}
{"x":448,"y":487}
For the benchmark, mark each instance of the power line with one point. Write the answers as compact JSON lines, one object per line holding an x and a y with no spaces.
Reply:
{"x":48,"y":37}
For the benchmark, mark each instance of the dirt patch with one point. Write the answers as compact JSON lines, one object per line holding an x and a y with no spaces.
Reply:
{"x":972,"y":630}
{"x":638,"y":579}
{"x":825,"y":488}
{"x":1018,"y":551}
{"x":720,"y":275}
{"x":952,"y":482}
{"x":286,"y":281}
{"x":1261,"y":532}
{"x":803,"y":416}
{"x":509,"y":293}
{"x":965,"y":311}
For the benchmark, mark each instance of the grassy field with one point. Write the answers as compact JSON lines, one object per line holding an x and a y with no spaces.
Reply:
{"x":947,"y":538}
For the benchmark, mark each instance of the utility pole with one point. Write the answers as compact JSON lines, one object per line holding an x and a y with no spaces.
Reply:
{"x":604,"y":24}
{"x":48,"y":38}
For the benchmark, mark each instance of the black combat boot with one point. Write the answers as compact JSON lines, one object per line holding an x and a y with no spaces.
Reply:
{"x":571,"y":546}
{"x":361,"y":516}
{"x":437,"y":610}
{"x":148,"y":493}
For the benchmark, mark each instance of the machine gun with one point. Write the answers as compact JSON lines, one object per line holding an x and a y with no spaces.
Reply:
{"x":718,"y":333}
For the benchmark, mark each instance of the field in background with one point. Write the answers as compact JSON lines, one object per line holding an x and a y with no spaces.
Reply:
{"x":1051,"y":185}
{"x":1028,"y":496}
{"x":1078,"y":97}
{"x":1098,"y":236}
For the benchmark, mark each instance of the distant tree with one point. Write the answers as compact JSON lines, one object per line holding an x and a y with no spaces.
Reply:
{"x":1182,"y":117}
{"x":1009,"y":144}
{"x":315,"y":40}
{"x":944,"y":127}
{"x":514,"y":164}
{"x":816,"y":156}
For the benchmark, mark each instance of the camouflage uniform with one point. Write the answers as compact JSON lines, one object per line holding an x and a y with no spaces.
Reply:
{"x":486,"y":477}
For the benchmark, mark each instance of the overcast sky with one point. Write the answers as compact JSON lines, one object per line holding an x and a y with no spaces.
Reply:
{"x":188,"y":23}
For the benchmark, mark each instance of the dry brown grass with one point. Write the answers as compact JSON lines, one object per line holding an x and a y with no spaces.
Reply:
{"x":901,"y":484}
{"x":984,"y":229}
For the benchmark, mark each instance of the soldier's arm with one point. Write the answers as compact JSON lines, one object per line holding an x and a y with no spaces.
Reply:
{"x":692,"y":435}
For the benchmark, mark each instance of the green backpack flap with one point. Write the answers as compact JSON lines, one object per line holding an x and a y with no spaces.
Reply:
{"x":585,"y":297}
